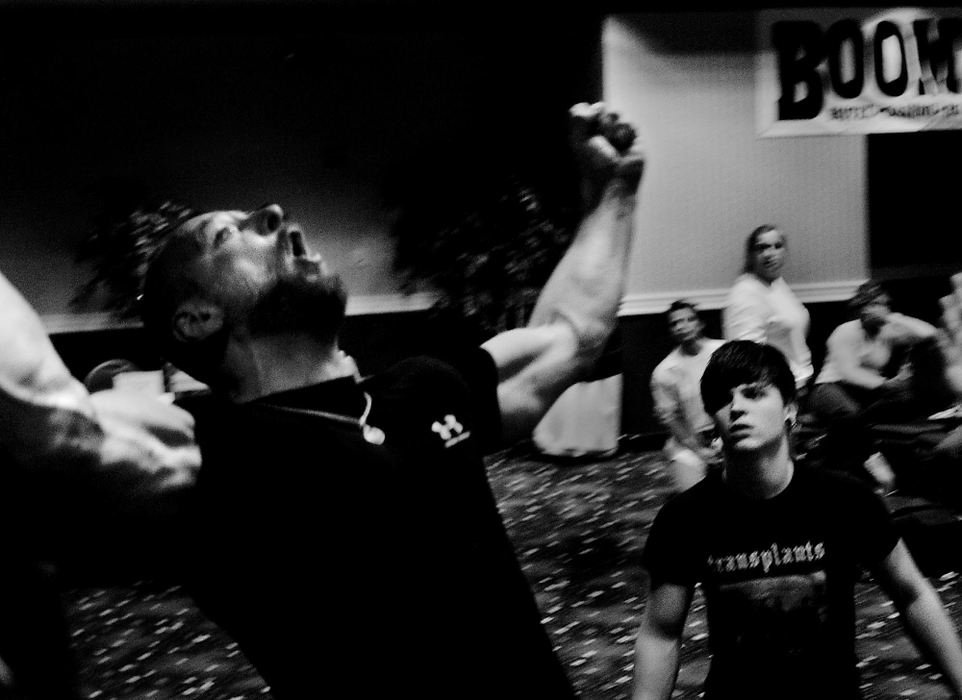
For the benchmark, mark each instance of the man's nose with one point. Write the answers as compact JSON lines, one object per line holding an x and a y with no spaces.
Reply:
{"x":268,"y":219}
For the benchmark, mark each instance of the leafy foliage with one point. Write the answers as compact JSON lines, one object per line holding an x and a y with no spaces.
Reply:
{"x":491,"y":262}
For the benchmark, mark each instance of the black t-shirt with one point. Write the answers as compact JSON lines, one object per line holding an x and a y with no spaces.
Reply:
{"x":351,"y":569}
{"x":778,"y":577}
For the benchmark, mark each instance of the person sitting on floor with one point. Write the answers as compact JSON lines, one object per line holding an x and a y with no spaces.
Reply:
{"x":858,"y":386}
{"x":677,"y":398}
{"x":777,"y":550}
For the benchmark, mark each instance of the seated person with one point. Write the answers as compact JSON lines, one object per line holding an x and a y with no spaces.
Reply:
{"x":858,"y":386}
{"x":761,"y":307}
{"x":675,"y":392}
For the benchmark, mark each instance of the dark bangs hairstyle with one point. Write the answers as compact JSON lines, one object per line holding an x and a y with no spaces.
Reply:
{"x":740,"y":362}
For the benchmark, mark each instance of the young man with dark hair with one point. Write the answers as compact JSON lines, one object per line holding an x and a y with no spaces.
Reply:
{"x":677,"y":400}
{"x":777,"y":550}
{"x":345,"y":531}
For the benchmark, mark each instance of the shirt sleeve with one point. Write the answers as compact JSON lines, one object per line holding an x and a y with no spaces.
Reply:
{"x":671,"y":554}
{"x":900,"y":328}
{"x":476,"y":367}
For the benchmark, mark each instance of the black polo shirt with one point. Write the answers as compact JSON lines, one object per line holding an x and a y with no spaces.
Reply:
{"x":346,"y":568}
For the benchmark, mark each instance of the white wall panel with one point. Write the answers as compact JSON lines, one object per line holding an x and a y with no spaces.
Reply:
{"x":687,"y":80}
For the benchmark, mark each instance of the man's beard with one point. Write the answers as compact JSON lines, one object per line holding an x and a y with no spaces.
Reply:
{"x":294,"y":304}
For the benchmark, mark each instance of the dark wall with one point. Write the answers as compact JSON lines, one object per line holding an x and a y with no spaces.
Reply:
{"x":375,"y":341}
{"x":913,"y":204}
{"x":338,"y":112}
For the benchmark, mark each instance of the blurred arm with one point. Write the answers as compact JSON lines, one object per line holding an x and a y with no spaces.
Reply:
{"x":658,"y":644}
{"x":577,"y":309}
{"x":133,"y":445}
{"x":923,"y":616}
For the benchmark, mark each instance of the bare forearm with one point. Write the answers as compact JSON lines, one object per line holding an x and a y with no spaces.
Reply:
{"x":656,"y":666}
{"x":586,"y":287}
{"x":935,"y":636}
{"x":45,"y":413}
{"x":30,"y":368}
{"x":860,"y":377}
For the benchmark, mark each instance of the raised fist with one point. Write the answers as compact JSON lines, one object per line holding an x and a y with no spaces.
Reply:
{"x":604,"y":147}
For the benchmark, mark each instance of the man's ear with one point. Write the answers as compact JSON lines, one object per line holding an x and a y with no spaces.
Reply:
{"x":197,"y":319}
{"x":791,"y":413}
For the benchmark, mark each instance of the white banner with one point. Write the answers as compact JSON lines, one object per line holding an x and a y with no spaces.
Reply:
{"x":858,"y":71}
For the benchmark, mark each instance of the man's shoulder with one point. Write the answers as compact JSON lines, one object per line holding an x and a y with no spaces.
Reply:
{"x":746,"y":283}
{"x":667,"y":364}
{"x":746,"y":292}
{"x":712,"y":344}
{"x":847,"y":329}
{"x":416,"y":374}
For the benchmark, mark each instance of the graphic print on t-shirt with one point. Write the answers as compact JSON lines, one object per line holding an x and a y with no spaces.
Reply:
{"x":775,"y":617}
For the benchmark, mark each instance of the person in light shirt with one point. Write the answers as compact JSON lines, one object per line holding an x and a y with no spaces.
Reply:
{"x":858,"y":384}
{"x":677,"y":399}
{"x":762,"y":307}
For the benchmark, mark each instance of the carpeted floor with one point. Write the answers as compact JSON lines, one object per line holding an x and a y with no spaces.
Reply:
{"x":579,"y":529}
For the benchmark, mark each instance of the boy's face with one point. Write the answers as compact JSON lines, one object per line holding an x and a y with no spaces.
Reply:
{"x":874,"y":314}
{"x":684,"y":325}
{"x":754,"y":418}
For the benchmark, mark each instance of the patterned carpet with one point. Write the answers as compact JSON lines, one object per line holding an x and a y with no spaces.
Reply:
{"x":579,"y":529}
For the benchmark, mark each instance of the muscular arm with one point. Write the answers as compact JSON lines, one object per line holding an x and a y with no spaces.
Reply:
{"x":134,"y":446}
{"x":577,"y":309}
{"x":923,"y":616}
{"x":658,"y":643}
{"x":46,"y":413}
{"x":907,"y":329}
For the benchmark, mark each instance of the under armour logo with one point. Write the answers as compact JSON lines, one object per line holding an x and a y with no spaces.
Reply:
{"x":451,"y":431}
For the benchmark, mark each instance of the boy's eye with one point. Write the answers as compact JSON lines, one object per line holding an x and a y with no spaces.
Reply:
{"x":753,"y":391}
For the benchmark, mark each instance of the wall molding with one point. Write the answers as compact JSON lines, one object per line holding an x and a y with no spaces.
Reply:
{"x":644,"y":304}
{"x":360,"y":305}
{"x":706,"y":299}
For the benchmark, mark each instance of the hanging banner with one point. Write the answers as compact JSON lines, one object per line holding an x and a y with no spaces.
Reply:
{"x":858,"y":71}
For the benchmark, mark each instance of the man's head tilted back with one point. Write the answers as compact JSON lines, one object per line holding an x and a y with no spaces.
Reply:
{"x":235,"y":276}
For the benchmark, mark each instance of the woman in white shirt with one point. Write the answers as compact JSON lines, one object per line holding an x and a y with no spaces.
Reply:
{"x":761,"y":306}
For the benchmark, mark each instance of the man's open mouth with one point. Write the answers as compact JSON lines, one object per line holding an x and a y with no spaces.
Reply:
{"x":298,"y":249}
